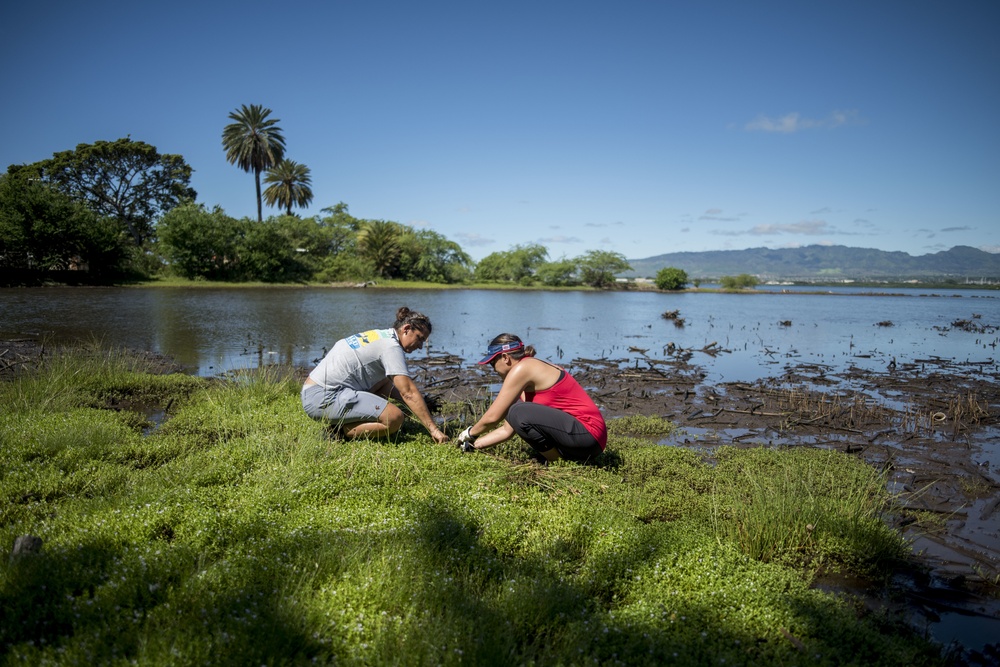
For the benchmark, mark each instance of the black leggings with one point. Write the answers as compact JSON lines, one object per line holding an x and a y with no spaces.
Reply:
{"x":543,"y":428}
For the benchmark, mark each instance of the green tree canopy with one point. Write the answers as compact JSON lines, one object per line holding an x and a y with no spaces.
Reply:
{"x":561,"y":273}
{"x":598,"y":267}
{"x":199,"y":243}
{"x":254,"y":143}
{"x":212,"y":245}
{"x":671,"y":278}
{"x":427,"y":255}
{"x":515,"y":265}
{"x":379,"y":243}
{"x":289,"y":186}
{"x":343,"y":228}
{"x":42,"y":228}
{"x":129,"y":181}
{"x":265,"y":254}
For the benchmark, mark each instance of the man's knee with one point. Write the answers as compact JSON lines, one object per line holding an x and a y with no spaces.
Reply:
{"x":392,"y":417}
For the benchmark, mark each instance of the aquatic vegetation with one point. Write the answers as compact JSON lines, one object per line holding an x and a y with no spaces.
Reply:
{"x":238,"y":532}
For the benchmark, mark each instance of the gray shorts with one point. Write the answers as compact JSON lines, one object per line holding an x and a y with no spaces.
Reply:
{"x":342,"y":405}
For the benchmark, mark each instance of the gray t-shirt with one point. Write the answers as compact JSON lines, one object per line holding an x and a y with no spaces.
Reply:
{"x":361,"y":361}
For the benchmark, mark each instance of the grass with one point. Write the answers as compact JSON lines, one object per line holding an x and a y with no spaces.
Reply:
{"x":236,"y":532}
{"x":801,"y":504}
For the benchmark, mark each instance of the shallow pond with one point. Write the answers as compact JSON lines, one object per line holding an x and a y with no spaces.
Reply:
{"x":211,"y":331}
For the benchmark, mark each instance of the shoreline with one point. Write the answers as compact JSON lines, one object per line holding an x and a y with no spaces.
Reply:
{"x":805,"y":288}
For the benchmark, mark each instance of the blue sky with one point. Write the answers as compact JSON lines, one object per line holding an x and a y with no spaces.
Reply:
{"x":636,"y":127}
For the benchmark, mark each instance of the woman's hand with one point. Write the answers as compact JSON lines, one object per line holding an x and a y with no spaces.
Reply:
{"x":466,"y":440}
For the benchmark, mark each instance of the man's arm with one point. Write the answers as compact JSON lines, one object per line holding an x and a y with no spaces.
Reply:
{"x":414,"y":400}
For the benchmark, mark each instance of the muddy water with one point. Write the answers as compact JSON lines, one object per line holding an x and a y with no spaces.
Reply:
{"x":215,"y":330}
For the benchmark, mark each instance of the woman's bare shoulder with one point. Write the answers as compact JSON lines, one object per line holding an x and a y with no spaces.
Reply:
{"x":540,"y":372}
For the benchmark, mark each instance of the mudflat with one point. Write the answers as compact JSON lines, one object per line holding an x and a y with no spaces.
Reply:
{"x":931,"y":425}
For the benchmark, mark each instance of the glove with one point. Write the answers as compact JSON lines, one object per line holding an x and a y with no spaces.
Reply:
{"x":465,"y":440}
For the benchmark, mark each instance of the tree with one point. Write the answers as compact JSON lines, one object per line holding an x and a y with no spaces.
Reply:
{"x":598,"y":267}
{"x":127,"y":180}
{"x":264,"y":254}
{"x":343,"y":228}
{"x":379,"y":243}
{"x":42,"y":228}
{"x":558,"y":274}
{"x":289,"y":186}
{"x":515,"y":265}
{"x":253,"y":142}
{"x":670,"y":278}
{"x":427,"y":255}
{"x":199,"y":243}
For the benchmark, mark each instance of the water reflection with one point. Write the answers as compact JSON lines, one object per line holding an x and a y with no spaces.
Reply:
{"x":211,"y":331}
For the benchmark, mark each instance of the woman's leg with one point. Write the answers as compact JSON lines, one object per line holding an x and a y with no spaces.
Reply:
{"x":552,"y":433}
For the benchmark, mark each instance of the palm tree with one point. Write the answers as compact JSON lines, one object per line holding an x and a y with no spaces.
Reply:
{"x":289,"y":185}
{"x":253,"y":143}
{"x":379,"y":243}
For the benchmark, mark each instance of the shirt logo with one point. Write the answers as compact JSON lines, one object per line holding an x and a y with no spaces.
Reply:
{"x":359,"y":340}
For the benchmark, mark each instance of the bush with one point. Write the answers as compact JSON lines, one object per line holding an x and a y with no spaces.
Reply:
{"x":671,"y":278}
{"x":742,"y":281}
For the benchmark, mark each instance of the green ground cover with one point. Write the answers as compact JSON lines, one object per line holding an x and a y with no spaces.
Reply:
{"x":236,"y":532}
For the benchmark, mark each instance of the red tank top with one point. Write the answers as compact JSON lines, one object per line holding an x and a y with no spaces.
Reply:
{"x":567,"y":395}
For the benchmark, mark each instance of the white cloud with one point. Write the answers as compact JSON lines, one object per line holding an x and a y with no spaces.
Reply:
{"x":990,"y":248}
{"x":473,"y":239}
{"x":716,"y":215}
{"x":794,"y":122}
{"x":807,"y":227}
{"x":560,"y":239}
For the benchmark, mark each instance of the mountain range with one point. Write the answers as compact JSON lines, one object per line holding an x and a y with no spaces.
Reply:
{"x":822,"y":262}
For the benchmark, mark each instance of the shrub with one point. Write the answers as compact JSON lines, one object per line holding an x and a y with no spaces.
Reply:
{"x":671,"y":278}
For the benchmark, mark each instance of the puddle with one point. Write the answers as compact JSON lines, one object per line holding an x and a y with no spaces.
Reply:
{"x":973,"y":631}
{"x":154,"y":417}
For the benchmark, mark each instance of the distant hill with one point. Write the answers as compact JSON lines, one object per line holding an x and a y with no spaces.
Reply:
{"x":820,"y":262}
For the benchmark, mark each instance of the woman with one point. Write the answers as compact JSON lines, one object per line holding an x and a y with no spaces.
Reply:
{"x":540,"y":402}
{"x":353,"y":383}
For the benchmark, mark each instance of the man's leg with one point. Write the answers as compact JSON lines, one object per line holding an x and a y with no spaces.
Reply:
{"x":389,"y":421}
